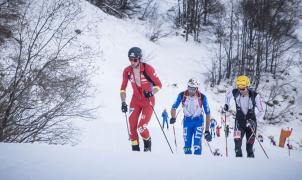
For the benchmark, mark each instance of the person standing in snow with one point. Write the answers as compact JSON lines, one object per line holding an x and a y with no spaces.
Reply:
{"x":194,"y":106}
{"x":272,"y":140}
{"x":145,"y":84}
{"x":246,"y":101}
{"x":218,"y":131}
{"x":213,"y":126}
{"x":165,"y":117}
{"x":260,"y":137}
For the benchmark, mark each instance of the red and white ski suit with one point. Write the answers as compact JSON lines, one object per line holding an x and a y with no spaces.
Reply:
{"x":139,"y":103}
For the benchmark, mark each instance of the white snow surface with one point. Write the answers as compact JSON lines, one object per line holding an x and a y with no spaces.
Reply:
{"x":105,"y":152}
{"x":28,"y":161}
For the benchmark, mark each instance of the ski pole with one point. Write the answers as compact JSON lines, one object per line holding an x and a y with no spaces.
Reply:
{"x":177,"y":113}
{"x":127,"y":127}
{"x":288,"y":146}
{"x":160,"y":126}
{"x":257,"y":140}
{"x":175,"y":138}
{"x":210,"y":147}
{"x":174,"y":132}
{"x":226,"y":135}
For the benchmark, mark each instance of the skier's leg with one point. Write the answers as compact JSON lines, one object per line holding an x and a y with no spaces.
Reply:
{"x":147,"y":144}
{"x":142,"y":126}
{"x":133,"y":119}
{"x":250,"y":139}
{"x":198,"y":139}
{"x":187,"y":133}
{"x":167,"y":124}
{"x":238,"y":143}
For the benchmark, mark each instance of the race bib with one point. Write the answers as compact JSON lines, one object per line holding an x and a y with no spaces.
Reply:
{"x":237,"y":134}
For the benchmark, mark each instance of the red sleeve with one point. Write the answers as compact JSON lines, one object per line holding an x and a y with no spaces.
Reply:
{"x":151,"y":72}
{"x":125,"y":80}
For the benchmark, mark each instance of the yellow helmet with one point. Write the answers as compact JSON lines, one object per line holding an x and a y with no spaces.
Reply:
{"x":242,"y":81}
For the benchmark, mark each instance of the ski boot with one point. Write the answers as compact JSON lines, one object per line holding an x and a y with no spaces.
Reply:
{"x":147,"y":145}
{"x":250,"y":155}
{"x":135,"y":148}
{"x":238,"y":153}
{"x":135,"y":145}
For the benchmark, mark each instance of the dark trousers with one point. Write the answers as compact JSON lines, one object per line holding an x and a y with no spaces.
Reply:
{"x":250,"y":139}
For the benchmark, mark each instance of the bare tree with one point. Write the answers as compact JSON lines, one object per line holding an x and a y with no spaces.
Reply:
{"x":258,"y":35}
{"x":217,"y":63}
{"x":150,"y":10}
{"x":155,"y":23}
{"x":122,"y":8}
{"x":280,"y":101}
{"x":192,"y":14}
{"x":210,"y":9}
{"x":268,"y":29}
{"x":44,"y":83}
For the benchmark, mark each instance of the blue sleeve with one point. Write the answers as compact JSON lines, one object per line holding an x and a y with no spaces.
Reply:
{"x":178,"y":101}
{"x":206,"y":105}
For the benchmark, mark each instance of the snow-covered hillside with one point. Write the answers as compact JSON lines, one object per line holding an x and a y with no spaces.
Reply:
{"x":105,"y":152}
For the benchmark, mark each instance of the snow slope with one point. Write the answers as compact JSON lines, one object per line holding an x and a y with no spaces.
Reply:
{"x":33,"y":161}
{"x":104,"y":150}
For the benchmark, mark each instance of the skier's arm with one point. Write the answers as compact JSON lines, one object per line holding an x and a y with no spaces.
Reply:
{"x":176,"y":105}
{"x":155,"y":89}
{"x":228,"y":97}
{"x":207,"y":112}
{"x":123,"y":86}
{"x":260,"y":108}
{"x":151,"y":72}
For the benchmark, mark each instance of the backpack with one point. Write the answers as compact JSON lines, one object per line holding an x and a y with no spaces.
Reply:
{"x":200,"y":97}
{"x":146,"y":75}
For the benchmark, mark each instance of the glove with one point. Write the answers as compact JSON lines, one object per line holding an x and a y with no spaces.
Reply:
{"x":226,"y":108}
{"x":207,"y":136}
{"x":172,"y":120}
{"x":124,"y":107}
{"x":148,"y":94}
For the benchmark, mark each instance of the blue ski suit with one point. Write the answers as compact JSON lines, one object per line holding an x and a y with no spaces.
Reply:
{"x":165,"y":117}
{"x":213,"y":126}
{"x":194,"y":108}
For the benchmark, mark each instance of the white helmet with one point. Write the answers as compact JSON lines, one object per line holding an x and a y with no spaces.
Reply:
{"x":193,"y":83}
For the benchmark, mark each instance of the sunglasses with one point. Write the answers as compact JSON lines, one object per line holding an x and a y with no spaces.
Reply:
{"x":192,"y":89}
{"x":242,"y":89}
{"x":134,"y":59}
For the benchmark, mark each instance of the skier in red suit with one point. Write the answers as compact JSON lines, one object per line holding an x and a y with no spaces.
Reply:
{"x":145,"y":84}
